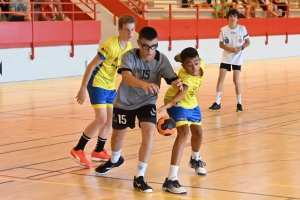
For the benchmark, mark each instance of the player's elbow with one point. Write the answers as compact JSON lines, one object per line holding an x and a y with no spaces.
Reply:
{"x":126,"y":77}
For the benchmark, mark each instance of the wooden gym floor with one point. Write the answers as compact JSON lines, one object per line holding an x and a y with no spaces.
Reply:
{"x":249,"y":155}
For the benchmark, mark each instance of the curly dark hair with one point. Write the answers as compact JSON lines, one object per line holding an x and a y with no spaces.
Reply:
{"x":233,"y":11}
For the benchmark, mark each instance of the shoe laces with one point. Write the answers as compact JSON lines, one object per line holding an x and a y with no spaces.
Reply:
{"x":144,"y":183}
{"x":176,"y":184}
{"x":200,"y":163}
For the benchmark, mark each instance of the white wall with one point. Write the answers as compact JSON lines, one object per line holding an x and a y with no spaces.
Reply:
{"x":49,"y":62}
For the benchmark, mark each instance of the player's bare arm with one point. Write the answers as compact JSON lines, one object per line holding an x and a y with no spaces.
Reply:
{"x":129,"y":79}
{"x":177,"y":84}
{"x":87,"y":75}
{"x":177,"y":58}
{"x":179,"y":96}
{"x":230,"y":49}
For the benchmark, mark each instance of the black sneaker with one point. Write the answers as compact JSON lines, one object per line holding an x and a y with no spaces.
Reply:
{"x":215,"y":106}
{"x":198,"y":165}
{"x":140,"y":184}
{"x":108,"y":165}
{"x":173,"y":187}
{"x":239,"y":107}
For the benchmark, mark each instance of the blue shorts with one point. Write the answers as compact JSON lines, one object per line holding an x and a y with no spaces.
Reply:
{"x":101,"y":98}
{"x":184,"y":116}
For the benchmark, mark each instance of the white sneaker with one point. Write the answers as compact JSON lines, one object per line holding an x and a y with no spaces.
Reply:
{"x":173,"y":187}
{"x":198,"y":165}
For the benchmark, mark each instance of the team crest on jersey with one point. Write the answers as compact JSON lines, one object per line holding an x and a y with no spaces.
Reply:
{"x":240,"y":40}
{"x":226,"y":40}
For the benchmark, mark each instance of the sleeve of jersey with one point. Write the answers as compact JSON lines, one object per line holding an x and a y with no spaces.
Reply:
{"x":246,"y":36}
{"x":168,"y":73}
{"x":185,"y":82}
{"x":221,"y":39}
{"x":104,"y":51}
{"x":126,"y":62}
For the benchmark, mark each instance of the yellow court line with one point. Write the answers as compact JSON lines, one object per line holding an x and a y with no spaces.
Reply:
{"x":89,"y":186}
{"x":292,"y":186}
{"x":267,"y":150}
{"x":290,"y":152}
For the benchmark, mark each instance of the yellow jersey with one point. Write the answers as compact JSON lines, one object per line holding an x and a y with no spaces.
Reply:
{"x":104,"y":75}
{"x":192,"y":82}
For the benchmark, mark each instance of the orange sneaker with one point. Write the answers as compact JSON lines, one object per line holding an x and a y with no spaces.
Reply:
{"x":79,"y":157}
{"x":100,"y":156}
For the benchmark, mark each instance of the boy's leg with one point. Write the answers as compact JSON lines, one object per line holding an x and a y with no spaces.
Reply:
{"x":196,"y":141}
{"x":236,"y":81}
{"x":121,"y":120}
{"x":98,"y":101}
{"x":77,"y":153}
{"x":116,"y":159}
{"x":99,"y":153}
{"x":171,"y":183}
{"x":222,"y":73}
{"x":147,"y":119}
{"x":148,"y":132}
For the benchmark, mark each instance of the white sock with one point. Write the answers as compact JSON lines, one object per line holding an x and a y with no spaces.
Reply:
{"x":173,"y":172}
{"x":141,"y":169}
{"x":239,"y":98}
{"x":218,"y":97}
{"x":115,"y":156}
{"x":195,"y":155}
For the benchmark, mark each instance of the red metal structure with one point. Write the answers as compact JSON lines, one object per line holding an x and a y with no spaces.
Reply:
{"x":82,"y":29}
{"x":187,"y":29}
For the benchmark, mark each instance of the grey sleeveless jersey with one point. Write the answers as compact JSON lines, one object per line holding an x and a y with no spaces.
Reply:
{"x":130,"y":98}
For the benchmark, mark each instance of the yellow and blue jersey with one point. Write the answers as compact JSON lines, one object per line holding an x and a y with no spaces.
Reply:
{"x":193,"y":83}
{"x":105,"y":74}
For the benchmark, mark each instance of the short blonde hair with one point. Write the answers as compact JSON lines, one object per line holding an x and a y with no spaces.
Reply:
{"x":126,"y":19}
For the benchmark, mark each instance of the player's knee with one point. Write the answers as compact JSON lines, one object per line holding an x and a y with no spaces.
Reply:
{"x":198,"y":133}
{"x":183,"y":134}
{"x":100,"y":120}
{"x":236,"y":81}
{"x":148,"y":136}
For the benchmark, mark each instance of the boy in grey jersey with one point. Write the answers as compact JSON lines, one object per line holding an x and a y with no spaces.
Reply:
{"x":142,"y":70}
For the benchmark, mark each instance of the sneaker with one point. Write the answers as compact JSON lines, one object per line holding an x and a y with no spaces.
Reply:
{"x":79,"y":157}
{"x":108,"y":165}
{"x":239,"y":107}
{"x":215,"y":106}
{"x":173,"y":187}
{"x":100,"y":156}
{"x":140,"y":184}
{"x":198,"y":165}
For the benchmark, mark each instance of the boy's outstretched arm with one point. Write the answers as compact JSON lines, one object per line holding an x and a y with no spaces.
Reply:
{"x":134,"y":82}
{"x":179,"y":96}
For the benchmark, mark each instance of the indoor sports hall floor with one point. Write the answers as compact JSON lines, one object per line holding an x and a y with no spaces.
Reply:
{"x":250,"y":155}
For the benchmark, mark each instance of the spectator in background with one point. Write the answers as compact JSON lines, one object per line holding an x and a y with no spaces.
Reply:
{"x":47,"y":12}
{"x":267,"y":6}
{"x":19,"y":11}
{"x":249,"y":6}
{"x":4,"y":8}
{"x":59,"y":9}
{"x":188,"y":3}
{"x":281,"y":5}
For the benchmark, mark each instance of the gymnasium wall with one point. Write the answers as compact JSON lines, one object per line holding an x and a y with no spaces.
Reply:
{"x":55,"y":62}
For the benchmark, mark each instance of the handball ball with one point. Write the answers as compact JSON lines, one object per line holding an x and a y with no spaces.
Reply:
{"x":166,"y":126}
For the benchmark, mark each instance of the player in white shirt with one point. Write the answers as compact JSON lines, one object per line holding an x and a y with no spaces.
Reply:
{"x":233,"y":39}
